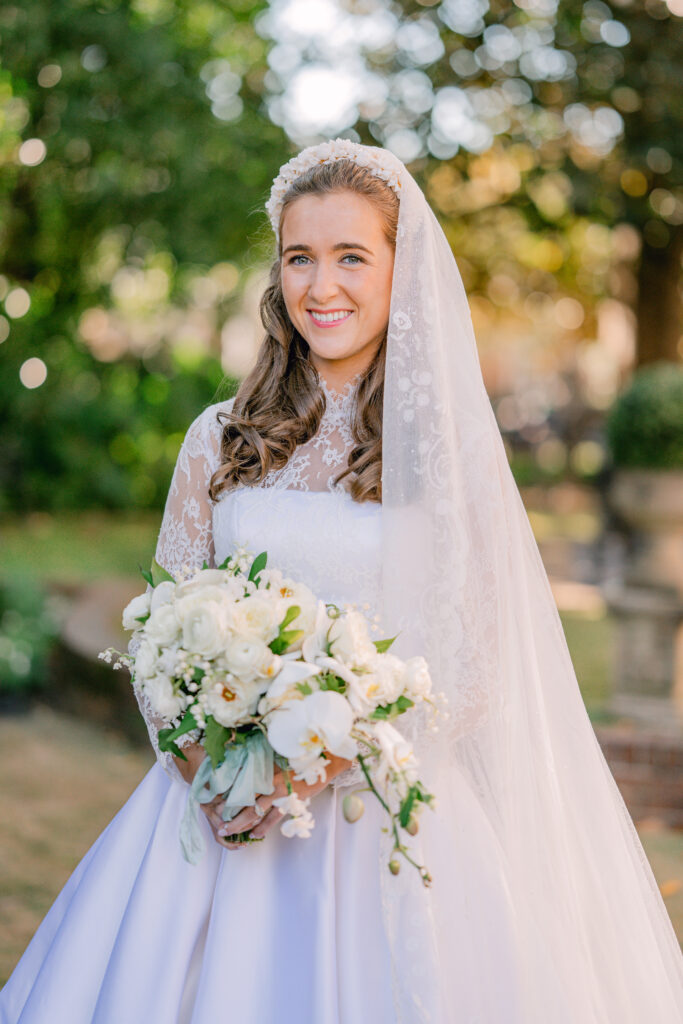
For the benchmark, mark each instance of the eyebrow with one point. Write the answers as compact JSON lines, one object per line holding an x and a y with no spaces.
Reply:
{"x":339,"y":245}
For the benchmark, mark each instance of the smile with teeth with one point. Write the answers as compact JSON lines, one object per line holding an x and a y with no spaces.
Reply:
{"x":330,"y":318}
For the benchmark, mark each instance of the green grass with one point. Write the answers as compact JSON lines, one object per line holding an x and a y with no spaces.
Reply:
{"x":78,"y":547}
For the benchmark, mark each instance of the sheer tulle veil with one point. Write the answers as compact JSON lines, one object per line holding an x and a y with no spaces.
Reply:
{"x":543,"y":906}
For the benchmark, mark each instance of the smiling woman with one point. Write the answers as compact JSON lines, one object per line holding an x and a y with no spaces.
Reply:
{"x":326,"y":311}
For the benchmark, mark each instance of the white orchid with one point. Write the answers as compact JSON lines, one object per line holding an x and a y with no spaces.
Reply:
{"x":284,"y":687}
{"x":302,"y":729}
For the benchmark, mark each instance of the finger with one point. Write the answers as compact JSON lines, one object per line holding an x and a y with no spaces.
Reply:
{"x":242,"y":822}
{"x":272,"y":817}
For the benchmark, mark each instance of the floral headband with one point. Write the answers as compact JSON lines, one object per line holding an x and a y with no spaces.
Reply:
{"x":379,"y":161}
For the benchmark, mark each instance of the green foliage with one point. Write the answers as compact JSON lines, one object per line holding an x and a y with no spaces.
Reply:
{"x":167,"y":737}
{"x":28,"y":628}
{"x":384,"y":645}
{"x":644,"y":426}
{"x":149,"y":181}
{"x":215,"y":738}
{"x":388,"y":711}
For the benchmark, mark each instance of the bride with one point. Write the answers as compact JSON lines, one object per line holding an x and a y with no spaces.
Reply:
{"x":363,"y":454}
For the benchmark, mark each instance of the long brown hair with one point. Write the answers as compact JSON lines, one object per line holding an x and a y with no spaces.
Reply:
{"x":279,"y":405}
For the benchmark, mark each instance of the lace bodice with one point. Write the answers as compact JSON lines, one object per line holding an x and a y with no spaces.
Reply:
{"x":311,"y":527}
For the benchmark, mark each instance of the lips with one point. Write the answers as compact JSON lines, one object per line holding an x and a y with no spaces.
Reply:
{"x":329,"y":323}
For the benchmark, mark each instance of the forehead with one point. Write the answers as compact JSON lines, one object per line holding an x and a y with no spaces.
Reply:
{"x":325,"y":219}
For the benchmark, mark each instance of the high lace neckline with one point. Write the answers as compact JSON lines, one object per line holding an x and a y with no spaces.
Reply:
{"x":340,"y":401}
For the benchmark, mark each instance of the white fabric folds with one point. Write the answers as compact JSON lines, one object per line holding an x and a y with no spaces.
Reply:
{"x":552,"y":850}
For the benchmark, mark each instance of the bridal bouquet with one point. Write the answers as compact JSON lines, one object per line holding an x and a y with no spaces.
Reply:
{"x":255,"y":668}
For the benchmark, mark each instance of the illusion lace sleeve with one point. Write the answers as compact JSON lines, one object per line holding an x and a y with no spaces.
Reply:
{"x":185,"y":537}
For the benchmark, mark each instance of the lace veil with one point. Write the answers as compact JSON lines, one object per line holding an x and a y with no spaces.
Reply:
{"x":526,"y":805}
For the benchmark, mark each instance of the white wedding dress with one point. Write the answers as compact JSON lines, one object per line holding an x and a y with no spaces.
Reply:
{"x":289,"y":930}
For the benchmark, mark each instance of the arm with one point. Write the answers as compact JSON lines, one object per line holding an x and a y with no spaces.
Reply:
{"x":185,"y":537}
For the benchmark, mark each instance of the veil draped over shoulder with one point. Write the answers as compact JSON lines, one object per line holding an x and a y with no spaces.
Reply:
{"x":543,"y":906}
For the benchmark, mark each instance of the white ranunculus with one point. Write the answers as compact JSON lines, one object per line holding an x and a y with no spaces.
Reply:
{"x":162,"y":627}
{"x":246,"y":656}
{"x":135,"y":609}
{"x":304,"y":728}
{"x":350,"y":641}
{"x":205,"y":624}
{"x":146,"y":659}
{"x":418,"y":681}
{"x":162,"y":594}
{"x":164,"y":700}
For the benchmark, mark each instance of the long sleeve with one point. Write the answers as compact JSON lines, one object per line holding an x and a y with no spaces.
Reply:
{"x":186,"y":535}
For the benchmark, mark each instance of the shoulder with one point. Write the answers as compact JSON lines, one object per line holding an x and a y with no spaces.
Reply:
{"x":204,"y":434}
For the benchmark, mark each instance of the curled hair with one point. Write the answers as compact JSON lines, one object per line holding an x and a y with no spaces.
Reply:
{"x":280,"y":404}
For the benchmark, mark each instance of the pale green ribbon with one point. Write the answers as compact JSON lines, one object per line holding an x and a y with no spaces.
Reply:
{"x":246,"y":771}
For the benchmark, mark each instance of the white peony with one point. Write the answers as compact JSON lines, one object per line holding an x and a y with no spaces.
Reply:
{"x":162,"y":627}
{"x":230,"y":702}
{"x":134,"y":610}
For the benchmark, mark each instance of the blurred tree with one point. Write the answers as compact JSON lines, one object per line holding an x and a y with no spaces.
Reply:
{"x":134,"y":153}
{"x":533,"y":124}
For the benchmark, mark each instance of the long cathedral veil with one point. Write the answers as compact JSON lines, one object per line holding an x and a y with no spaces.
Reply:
{"x":543,"y":907}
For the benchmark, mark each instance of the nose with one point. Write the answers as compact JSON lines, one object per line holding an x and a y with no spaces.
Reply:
{"x":323,"y":285}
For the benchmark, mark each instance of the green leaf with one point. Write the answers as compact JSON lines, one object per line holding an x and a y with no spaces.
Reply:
{"x":333,"y":682}
{"x":142,"y":618}
{"x":205,"y":564}
{"x":384,"y":645}
{"x":199,"y":674}
{"x":159,"y":574}
{"x":257,"y":565}
{"x":406,"y":807}
{"x":216,"y":736}
{"x":146,"y":575}
{"x":385,"y":711}
{"x":304,"y":688}
{"x":225,"y":563}
{"x":167,"y":737}
{"x":280,"y":644}
{"x":292,"y":613}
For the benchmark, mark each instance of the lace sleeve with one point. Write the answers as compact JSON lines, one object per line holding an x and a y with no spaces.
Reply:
{"x":185,"y":536}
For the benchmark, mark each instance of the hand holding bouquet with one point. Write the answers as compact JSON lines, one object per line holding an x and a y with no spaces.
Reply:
{"x":255,"y":668}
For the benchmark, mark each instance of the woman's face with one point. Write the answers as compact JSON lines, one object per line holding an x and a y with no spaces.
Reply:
{"x":336,"y":259}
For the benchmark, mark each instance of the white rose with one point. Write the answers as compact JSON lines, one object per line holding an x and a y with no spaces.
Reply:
{"x":162,"y":594}
{"x":146,"y":659}
{"x":202,"y":578}
{"x":259,"y":617}
{"x":164,"y":700}
{"x":135,"y":609}
{"x":162,"y":626}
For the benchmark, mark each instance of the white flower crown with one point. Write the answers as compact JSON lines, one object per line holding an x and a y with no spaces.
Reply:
{"x":379,"y":161}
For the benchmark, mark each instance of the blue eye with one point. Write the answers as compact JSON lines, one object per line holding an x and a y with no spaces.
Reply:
{"x":350,"y":255}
